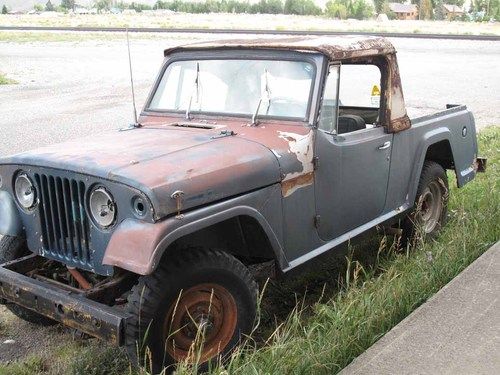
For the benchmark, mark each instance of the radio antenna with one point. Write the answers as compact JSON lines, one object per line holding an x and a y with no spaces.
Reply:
{"x":136,"y":123}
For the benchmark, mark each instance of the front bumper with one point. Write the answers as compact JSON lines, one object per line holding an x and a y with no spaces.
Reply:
{"x":70,"y":308}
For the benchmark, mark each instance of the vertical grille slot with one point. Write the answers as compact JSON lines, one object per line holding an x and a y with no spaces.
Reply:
{"x":64,"y":223}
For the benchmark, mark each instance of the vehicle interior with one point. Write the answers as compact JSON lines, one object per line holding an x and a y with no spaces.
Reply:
{"x":359,"y":93}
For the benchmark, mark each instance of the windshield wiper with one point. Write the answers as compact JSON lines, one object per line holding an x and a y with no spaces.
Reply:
{"x":197,"y":90}
{"x":267,"y":90}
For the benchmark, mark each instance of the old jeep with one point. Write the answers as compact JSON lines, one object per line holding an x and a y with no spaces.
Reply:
{"x":247,"y":151}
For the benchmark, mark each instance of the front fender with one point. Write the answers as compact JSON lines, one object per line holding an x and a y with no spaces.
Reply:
{"x":138,"y":246}
{"x":10,"y":220}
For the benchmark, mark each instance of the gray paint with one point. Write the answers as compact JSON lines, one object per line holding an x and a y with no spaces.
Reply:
{"x":351,"y":183}
{"x":10,"y":220}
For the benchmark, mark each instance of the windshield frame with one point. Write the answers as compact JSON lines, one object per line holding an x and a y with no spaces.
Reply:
{"x":315,"y":59}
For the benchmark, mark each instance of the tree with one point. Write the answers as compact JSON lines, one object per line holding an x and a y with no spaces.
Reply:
{"x":101,"y":4}
{"x":438,"y":10}
{"x":425,"y":10}
{"x":68,"y":4}
{"x":361,"y":10}
{"x":270,"y":6}
{"x":460,"y":3}
{"x":343,"y":9}
{"x":380,"y":5}
{"x":336,"y":9}
{"x":4,"y":9}
{"x":491,"y":8}
{"x":301,"y":7}
{"x":49,"y":7}
{"x":38,"y":7}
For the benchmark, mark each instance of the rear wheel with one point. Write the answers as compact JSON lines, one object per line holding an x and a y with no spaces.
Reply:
{"x":12,"y":248}
{"x":195,"y":308}
{"x":429,"y":213}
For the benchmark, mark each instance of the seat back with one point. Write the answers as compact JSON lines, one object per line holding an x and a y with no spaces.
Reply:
{"x":350,"y":123}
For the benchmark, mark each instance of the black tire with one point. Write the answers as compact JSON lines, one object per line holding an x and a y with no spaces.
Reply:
{"x":188,"y":276}
{"x":12,"y":248}
{"x":429,"y":213}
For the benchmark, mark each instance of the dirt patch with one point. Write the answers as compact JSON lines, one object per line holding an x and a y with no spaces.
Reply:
{"x":20,"y":339}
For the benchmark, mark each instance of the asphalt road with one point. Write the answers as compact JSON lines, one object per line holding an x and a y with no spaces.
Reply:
{"x":71,"y":89}
{"x":249,"y":31}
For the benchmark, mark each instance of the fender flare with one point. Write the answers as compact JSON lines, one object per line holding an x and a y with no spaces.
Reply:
{"x":431,"y":137}
{"x":154,"y":239}
{"x":206,"y":222}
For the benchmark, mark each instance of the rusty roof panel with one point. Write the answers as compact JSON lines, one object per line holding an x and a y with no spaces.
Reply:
{"x":334,"y":47}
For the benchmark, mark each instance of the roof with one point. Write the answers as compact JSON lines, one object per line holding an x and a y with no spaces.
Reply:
{"x":402,"y":8}
{"x":334,"y":47}
{"x":451,"y":8}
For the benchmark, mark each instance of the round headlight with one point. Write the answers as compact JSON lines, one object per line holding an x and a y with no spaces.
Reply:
{"x":102,"y":207}
{"x":25,"y":191}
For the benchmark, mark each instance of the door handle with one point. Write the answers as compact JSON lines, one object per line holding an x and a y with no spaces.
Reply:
{"x":385,"y":146}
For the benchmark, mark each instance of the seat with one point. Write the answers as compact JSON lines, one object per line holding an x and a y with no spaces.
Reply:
{"x":350,"y":123}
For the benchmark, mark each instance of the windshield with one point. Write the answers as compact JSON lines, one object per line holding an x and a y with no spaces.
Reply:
{"x":236,"y":87}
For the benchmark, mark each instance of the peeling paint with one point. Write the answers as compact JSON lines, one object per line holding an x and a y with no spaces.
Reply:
{"x":302,"y":146}
{"x":290,"y":186}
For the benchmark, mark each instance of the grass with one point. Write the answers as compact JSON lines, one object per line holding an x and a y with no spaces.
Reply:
{"x":320,"y":321}
{"x":6,"y":81}
{"x":44,"y":36}
{"x":31,"y":365}
{"x":75,"y":358}
{"x":247,"y":21}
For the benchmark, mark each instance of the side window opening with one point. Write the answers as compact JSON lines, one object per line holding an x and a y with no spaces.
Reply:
{"x":357,"y":89}
{"x":360,"y":94}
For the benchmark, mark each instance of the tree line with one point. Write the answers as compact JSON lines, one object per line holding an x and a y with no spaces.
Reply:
{"x":341,"y":9}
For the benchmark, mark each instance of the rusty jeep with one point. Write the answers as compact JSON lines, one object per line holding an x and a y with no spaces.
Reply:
{"x":268,"y":151}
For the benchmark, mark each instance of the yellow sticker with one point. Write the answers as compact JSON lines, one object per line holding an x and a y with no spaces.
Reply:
{"x":375,"y":91}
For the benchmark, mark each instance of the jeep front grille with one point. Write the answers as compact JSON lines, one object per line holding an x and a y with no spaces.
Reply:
{"x":64,"y":222}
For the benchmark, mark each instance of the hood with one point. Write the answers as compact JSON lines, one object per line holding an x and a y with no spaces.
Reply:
{"x":205,"y":164}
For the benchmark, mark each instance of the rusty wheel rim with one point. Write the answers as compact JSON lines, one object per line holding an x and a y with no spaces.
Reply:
{"x":431,"y":207}
{"x":206,"y":313}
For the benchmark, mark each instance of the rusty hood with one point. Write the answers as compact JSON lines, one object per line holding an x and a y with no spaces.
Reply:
{"x":207,"y":165}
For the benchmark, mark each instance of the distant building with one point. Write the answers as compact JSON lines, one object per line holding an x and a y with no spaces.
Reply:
{"x":451,"y":11}
{"x":404,"y":11}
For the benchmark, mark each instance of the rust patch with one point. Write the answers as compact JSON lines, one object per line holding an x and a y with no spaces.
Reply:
{"x":399,"y":124}
{"x":340,"y":47}
{"x":288,"y":187}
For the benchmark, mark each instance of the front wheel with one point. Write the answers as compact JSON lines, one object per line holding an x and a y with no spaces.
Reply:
{"x":193,"y":308}
{"x":429,"y":213}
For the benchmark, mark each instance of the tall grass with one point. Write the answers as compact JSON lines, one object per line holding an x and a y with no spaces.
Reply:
{"x":6,"y":81}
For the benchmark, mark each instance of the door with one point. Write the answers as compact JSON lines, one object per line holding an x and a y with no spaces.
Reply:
{"x":353,"y":168}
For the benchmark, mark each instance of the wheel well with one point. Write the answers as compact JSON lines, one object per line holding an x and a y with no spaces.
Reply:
{"x":440,"y":153}
{"x":241,"y":236}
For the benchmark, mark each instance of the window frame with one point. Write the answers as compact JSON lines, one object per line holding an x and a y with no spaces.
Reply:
{"x":238,"y":54}
{"x":338,"y":65}
{"x":378,"y":61}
